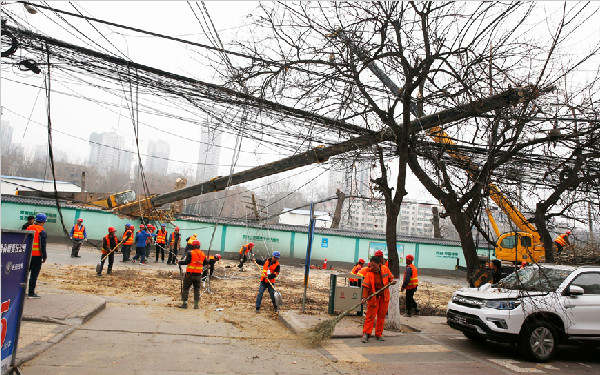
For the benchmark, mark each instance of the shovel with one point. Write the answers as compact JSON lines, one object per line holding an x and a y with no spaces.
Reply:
{"x":99,"y":265}
{"x":276,"y":294}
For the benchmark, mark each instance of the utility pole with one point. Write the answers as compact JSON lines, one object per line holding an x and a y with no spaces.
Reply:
{"x":311,"y":234}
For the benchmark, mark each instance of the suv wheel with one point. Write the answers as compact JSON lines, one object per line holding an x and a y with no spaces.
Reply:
{"x":474,"y":337}
{"x":539,"y":341}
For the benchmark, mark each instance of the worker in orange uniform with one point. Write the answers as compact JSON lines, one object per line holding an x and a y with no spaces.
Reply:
{"x":161,"y":242}
{"x":109,"y":244}
{"x":270,"y":271}
{"x":151,"y":228}
{"x":174,"y":244}
{"x":245,"y":251}
{"x":195,"y":260}
{"x":376,"y":277}
{"x":77,"y":235}
{"x":562,"y":240}
{"x":188,"y":245}
{"x":410,"y":283}
{"x":38,"y":252}
{"x":127,"y":242}
{"x":357,"y":267}
{"x":212,"y":259}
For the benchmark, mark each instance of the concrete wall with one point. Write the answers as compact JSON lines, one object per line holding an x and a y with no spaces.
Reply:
{"x":229,"y":238}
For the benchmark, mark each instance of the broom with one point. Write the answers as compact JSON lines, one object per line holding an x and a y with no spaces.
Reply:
{"x":323,"y":331}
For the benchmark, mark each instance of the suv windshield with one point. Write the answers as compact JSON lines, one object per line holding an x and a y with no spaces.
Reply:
{"x":534,"y":278}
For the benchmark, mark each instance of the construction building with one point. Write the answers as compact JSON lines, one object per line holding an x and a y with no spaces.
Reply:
{"x":157,"y":161}
{"x":209,"y":154}
{"x":108,"y":149}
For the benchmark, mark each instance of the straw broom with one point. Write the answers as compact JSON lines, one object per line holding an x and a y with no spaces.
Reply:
{"x":323,"y":331}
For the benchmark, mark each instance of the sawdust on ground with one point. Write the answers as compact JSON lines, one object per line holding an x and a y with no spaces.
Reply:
{"x":233,"y":291}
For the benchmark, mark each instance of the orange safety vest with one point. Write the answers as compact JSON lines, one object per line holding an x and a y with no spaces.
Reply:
{"x":561,"y":239}
{"x":369,"y":281}
{"x":269,"y":268}
{"x":414,"y":279}
{"x":245,"y":249}
{"x":35,"y":249}
{"x":161,"y":236}
{"x":355,"y":271}
{"x":107,"y":238}
{"x":173,"y":238}
{"x":78,"y":232}
{"x":195,"y":265}
{"x":130,"y":240}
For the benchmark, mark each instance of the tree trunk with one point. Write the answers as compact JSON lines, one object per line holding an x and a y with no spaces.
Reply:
{"x":436,"y":222}
{"x":462,"y":223}
{"x":540,"y":223}
{"x":337,"y":216}
{"x":393,"y":320}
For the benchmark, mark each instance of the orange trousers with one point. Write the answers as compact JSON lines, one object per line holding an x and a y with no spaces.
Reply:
{"x":376,"y":307}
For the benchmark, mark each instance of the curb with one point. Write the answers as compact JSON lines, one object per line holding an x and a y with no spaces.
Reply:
{"x":68,"y":326}
{"x":90,"y":313}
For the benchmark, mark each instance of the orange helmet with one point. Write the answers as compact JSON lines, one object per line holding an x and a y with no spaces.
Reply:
{"x":142,"y":226}
{"x":568,"y":232}
{"x":410,"y":257}
{"x":111,"y":229}
{"x":80,"y":220}
{"x":361,"y":261}
{"x":378,"y":253}
{"x":196,"y":244}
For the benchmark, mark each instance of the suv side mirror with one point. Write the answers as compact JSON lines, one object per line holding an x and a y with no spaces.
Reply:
{"x":575,"y":290}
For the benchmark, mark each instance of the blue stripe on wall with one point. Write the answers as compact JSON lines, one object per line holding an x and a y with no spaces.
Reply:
{"x":292,"y":239}
{"x":223,"y":237}
{"x":356,"y":250}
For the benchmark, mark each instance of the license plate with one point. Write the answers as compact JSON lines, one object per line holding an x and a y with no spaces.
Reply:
{"x":460,"y":320}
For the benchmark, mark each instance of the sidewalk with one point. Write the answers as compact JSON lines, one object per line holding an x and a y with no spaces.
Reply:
{"x":351,"y":326}
{"x":51,"y":318}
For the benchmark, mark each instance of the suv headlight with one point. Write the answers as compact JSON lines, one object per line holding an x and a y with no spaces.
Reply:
{"x":503,"y":304}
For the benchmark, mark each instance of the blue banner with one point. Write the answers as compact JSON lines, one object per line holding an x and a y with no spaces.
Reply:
{"x":16,"y":253}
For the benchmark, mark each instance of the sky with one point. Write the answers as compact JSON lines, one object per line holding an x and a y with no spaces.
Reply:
{"x":23,"y":98}
{"x":23,"y":103}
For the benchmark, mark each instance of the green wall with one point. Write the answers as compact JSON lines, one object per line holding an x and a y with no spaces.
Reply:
{"x":341,"y":248}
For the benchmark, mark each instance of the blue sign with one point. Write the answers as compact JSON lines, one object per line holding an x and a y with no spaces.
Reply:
{"x":16,"y":254}
{"x":324,"y":242}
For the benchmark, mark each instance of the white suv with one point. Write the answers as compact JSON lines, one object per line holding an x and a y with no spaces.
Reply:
{"x":537,"y":307}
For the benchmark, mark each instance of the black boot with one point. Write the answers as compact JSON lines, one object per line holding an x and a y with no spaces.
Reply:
{"x":109,"y":269}
{"x":196,"y":307}
{"x":183,"y":305}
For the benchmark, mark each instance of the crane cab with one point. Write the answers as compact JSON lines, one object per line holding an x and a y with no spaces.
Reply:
{"x":518,"y":247}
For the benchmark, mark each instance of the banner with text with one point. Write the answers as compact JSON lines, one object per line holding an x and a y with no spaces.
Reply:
{"x":16,"y":252}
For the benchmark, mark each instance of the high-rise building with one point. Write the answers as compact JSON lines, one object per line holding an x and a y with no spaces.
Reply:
{"x":209,"y":154}
{"x":109,"y":153}
{"x":157,"y":159}
{"x":7,"y":133}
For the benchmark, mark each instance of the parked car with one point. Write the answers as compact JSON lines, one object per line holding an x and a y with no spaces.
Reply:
{"x":537,"y":307}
